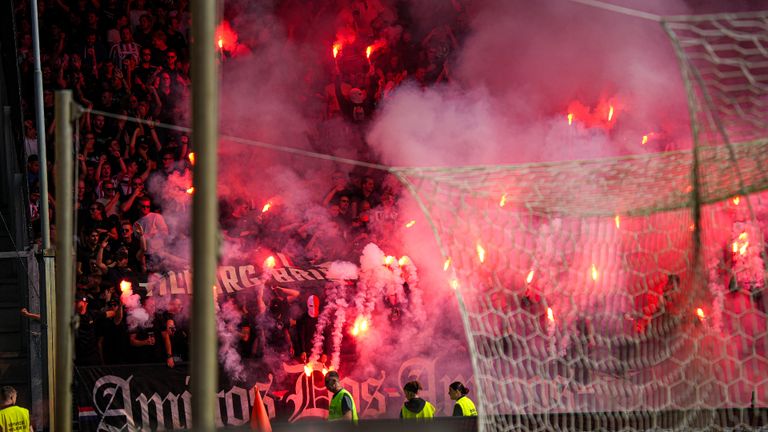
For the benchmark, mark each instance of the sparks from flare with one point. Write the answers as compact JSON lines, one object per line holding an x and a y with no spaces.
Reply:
{"x":410,"y":224}
{"x":480,"y":253}
{"x":593,"y":271}
{"x":266,"y":207}
{"x":529,"y":278}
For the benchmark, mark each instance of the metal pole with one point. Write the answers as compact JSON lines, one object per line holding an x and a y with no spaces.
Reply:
{"x":64,"y":261}
{"x":45,"y":228}
{"x":205,"y":102}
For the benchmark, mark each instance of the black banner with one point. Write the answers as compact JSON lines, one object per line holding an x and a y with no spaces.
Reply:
{"x":150,"y":397}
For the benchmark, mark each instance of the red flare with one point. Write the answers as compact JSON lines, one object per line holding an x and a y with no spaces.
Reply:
{"x":529,"y":278}
{"x":337,"y":49}
{"x":307,"y":370}
{"x":700,"y":314}
{"x":550,"y":315}
{"x":269,"y":262}
{"x":226,"y":38}
{"x":410,"y":224}
{"x":266,"y":207}
{"x":191,"y":157}
{"x":191,"y":190}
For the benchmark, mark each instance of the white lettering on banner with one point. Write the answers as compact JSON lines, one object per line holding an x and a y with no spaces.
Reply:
{"x":230,"y":279}
{"x":246,"y":274}
{"x":112,"y":398}
{"x":110,"y":388}
{"x":241,"y":395}
{"x":170,"y":401}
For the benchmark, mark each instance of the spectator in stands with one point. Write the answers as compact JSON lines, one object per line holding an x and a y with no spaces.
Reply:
{"x":125,"y":48}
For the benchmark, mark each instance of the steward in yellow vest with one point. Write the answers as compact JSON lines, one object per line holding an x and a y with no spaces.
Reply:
{"x":12,"y":418}
{"x":341,"y":406}
{"x":464,"y":406}
{"x":414,"y":406}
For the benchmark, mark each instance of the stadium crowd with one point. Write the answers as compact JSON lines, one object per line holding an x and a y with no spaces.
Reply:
{"x":131,"y":58}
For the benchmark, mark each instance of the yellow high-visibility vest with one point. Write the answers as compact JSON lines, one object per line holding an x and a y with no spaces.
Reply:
{"x":334,"y":408}
{"x":467,"y":407}
{"x":426,"y":413}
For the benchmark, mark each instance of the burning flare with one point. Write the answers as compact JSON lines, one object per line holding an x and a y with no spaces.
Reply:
{"x":610,"y":113}
{"x":191,"y":158}
{"x":645,"y":140}
{"x":221,"y":42}
{"x":402,"y":261}
{"x":410,"y":224}
{"x":191,"y":190}
{"x":503,"y":200}
{"x":455,"y":283}
{"x":550,"y":315}
{"x":570,"y":119}
{"x":125,"y":285}
{"x":593,"y":271}
{"x":529,"y":278}
{"x":389,"y":260}
{"x":266,"y":207}
{"x":617,"y":219}
{"x":336,"y":49}
{"x":368,"y":51}
{"x":480,"y":253}
{"x":741,"y":245}
{"x":360,"y":326}
{"x":447,"y":264}
{"x":269,"y":262}
{"x":736,"y":200}
{"x":700,"y":314}
{"x":307,"y":370}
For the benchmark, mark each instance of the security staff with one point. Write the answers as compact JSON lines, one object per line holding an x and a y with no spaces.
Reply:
{"x":414,"y":406}
{"x":342,"y":406}
{"x":12,"y":418}
{"x":464,"y":406}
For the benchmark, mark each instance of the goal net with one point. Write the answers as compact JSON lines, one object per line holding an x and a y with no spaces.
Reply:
{"x":623,"y":293}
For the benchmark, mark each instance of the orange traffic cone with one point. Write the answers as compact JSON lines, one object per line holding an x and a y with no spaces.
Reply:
{"x":259,"y":417}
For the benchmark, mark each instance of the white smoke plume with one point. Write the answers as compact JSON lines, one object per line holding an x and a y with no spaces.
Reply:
{"x":228,"y":319}
{"x":137,"y":315}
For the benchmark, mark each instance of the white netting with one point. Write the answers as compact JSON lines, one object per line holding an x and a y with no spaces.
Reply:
{"x":623,"y":293}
